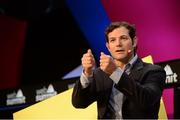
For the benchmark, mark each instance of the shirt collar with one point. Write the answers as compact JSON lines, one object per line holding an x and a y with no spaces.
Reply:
{"x":131,"y":63}
{"x":133,"y":60}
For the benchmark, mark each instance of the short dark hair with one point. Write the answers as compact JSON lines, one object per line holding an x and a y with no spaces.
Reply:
{"x":114,"y":25}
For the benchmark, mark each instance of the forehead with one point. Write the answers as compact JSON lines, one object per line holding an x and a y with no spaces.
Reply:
{"x":119,"y":32}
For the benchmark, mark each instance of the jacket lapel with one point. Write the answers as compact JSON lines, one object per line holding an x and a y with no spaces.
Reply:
{"x":136,"y":70}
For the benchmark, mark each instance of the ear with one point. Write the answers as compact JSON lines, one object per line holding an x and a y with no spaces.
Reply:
{"x":107,"y":45}
{"x":135,"y":41}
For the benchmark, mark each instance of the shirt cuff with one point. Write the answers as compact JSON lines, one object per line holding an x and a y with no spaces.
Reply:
{"x":116,"y":75}
{"x":85,"y":81}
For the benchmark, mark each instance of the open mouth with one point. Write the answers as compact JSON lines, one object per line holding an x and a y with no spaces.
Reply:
{"x":119,"y":51}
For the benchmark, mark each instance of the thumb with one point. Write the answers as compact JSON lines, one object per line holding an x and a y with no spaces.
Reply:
{"x":89,"y":51}
{"x":102,"y":53}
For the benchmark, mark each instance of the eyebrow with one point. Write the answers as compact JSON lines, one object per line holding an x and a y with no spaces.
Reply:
{"x":123,"y":36}
{"x":119,"y":37}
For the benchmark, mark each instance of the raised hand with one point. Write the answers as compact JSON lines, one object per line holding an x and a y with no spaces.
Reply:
{"x":88,"y":62}
{"x":107,"y":64}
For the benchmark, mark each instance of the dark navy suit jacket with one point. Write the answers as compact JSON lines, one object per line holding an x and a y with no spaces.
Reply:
{"x":142,"y":90}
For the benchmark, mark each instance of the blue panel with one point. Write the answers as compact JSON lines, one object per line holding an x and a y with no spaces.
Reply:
{"x":92,"y":20}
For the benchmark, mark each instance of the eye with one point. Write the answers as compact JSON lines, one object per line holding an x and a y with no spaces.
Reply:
{"x":124,"y":37}
{"x":112,"y":40}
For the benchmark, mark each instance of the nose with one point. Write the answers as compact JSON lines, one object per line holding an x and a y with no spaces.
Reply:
{"x":118,"y":42}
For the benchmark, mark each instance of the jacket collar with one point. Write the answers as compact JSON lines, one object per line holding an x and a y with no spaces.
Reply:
{"x":136,"y":70}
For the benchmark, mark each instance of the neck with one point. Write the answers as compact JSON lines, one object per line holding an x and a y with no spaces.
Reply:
{"x":120,"y":64}
{"x":124,"y":62}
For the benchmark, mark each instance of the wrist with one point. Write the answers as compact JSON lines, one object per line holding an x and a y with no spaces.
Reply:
{"x":87,"y":73}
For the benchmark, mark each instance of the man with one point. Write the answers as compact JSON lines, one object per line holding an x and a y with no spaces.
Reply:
{"x":123,"y":86}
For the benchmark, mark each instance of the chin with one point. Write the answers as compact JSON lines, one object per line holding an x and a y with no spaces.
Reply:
{"x":120,"y":57}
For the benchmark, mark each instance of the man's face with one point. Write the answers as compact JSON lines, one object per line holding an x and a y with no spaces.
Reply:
{"x":120,"y":44}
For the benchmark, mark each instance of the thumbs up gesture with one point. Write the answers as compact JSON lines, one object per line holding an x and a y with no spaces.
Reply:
{"x":88,"y":62}
{"x":107,"y":64}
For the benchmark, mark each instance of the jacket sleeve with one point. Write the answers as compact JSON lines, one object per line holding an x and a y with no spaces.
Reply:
{"x":147,"y":89}
{"x":83,"y":97}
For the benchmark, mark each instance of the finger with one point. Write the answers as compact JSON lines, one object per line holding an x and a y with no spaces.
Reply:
{"x":87,"y":60}
{"x":102,"y":53}
{"x":87,"y":66}
{"x":88,"y":56}
{"x":87,"y":63}
{"x":102,"y":68}
{"x":104,"y":58}
{"x":89,"y":51}
{"x":103,"y":62}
